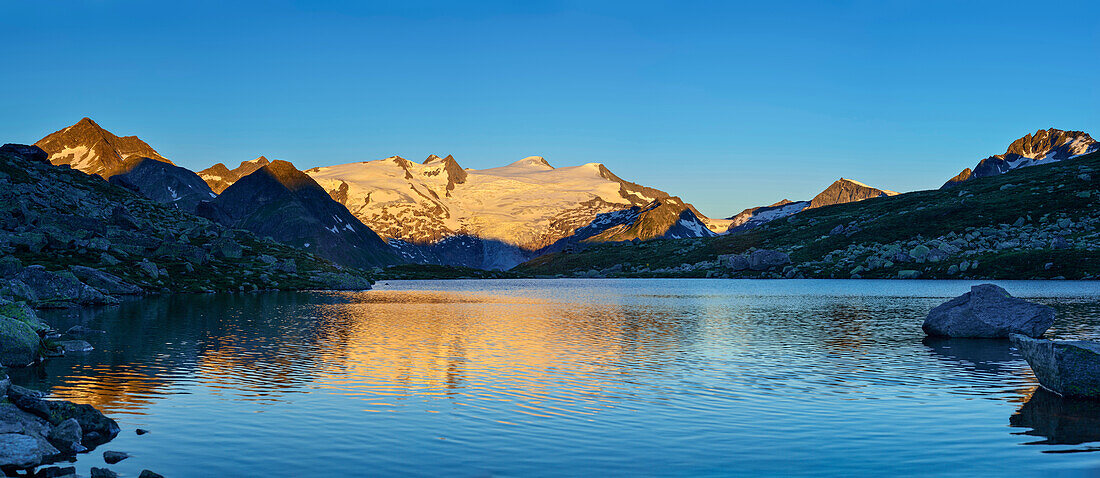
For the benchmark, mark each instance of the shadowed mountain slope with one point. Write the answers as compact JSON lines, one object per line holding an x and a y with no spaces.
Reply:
{"x":279,"y":201}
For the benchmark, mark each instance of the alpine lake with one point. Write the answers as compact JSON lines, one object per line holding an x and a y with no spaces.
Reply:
{"x":574,"y":377}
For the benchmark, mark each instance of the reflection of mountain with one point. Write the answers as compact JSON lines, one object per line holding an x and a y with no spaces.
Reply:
{"x":376,"y":345}
{"x":394,"y":343}
{"x":1061,"y":421}
{"x":255,"y":343}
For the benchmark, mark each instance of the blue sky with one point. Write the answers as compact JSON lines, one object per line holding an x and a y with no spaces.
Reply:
{"x":726,"y":104}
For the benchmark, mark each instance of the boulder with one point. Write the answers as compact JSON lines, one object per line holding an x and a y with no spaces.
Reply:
{"x":103,"y":473}
{"x":1070,"y":368}
{"x":734,"y":262}
{"x":112,"y":457}
{"x":52,"y":288}
{"x":76,"y":346}
{"x":764,"y":259}
{"x":97,"y":428}
{"x":226,"y":248}
{"x":67,"y":436}
{"x":20,"y":451}
{"x":150,"y":474}
{"x":988,"y":311}
{"x":909,"y":274}
{"x":105,"y":282}
{"x":19,"y":343}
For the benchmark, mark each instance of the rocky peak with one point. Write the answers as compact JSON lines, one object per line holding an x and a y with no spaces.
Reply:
{"x":1044,"y":142}
{"x":88,"y":147}
{"x":846,"y":190}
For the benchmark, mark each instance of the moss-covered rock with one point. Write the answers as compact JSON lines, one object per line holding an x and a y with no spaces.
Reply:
{"x":19,"y":343}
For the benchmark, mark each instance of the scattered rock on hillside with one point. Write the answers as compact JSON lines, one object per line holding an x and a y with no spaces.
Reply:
{"x":988,"y":311}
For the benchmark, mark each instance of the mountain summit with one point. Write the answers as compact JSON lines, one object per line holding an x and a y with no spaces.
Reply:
{"x":1043,"y":147}
{"x":87,"y":147}
{"x":219,"y":176}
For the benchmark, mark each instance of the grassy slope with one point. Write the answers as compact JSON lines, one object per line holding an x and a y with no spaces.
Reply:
{"x":1036,"y":191}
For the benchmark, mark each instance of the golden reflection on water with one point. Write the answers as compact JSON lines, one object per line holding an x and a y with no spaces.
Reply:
{"x":538,"y":354}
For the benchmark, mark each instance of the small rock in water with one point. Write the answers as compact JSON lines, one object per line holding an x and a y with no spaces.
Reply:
{"x":82,"y":330}
{"x":141,"y":431}
{"x":103,"y":473}
{"x":56,"y":472}
{"x":988,"y":311}
{"x":112,"y":457}
{"x":149,"y":474}
{"x":76,"y":346}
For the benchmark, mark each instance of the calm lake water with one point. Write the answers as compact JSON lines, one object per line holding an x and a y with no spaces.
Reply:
{"x":574,"y":377}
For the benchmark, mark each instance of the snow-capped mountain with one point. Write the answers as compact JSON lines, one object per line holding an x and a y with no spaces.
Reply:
{"x":840,"y":191}
{"x":1045,"y":146}
{"x":506,"y":214}
{"x":87,"y":147}
{"x":219,"y":176}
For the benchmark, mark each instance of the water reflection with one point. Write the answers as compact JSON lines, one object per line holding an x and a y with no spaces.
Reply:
{"x":695,"y":377}
{"x":1059,"y":420}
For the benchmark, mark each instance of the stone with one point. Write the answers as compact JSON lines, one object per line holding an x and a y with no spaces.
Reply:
{"x":266,"y":259}
{"x":1070,"y":368}
{"x":67,"y":436}
{"x":82,"y":330}
{"x":765,"y":259}
{"x":76,"y":346}
{"x":226,"y":248}
{"x":105,"y":282}
{"x":1059,"y":243}
{"x":112,"y":457}
{"x":19,"y":343}
{"x":734,"y":262}
{"x":56,"y":472}
{"x":988,"y":311}
{"x":908,"y":274}
{"x":149,"y":474}
{"x":103,"y":473}
{"x":97,"y":428}
{"x":839,"y":229}
{"x":10,"y":266}
{"x":919,"y":252}
{"x":141,"y":431}
{"x":19,"y":451}
{"x":52,"y":288}
{"x":149,"y":269}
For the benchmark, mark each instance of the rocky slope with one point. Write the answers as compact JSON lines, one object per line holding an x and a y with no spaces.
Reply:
{"x":164,"y":183}
{"x":1045,"y":146}
{"x":1036,"y":222}
{"x":68,"y":238}
{"x":87,"y":147}
{"x":280,"y":202}
{"x":219,"y":176}
{"x":438,"y":212}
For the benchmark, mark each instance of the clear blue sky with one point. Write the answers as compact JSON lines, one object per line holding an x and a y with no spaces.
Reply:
{"x":727,"y":104}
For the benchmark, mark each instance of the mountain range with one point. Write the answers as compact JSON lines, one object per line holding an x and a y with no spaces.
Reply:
{"x":381,"y":212}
